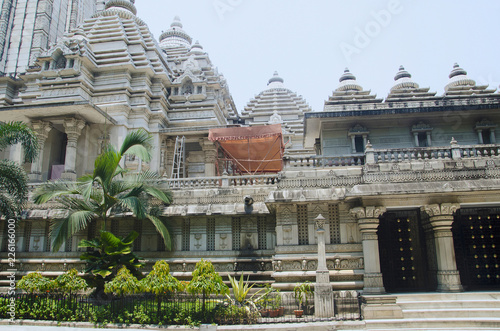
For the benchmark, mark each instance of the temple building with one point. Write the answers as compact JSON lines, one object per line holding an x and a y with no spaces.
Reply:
{"x":409,"y":184}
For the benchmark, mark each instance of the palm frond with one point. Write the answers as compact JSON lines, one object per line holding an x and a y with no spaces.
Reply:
{"x":52,"y":190}
{"x":18,"y":132}
{"x":162,"y":230}
{"x":61,"y":229}
{"x":8,"y":206}
{"x":13,"y":180}
{"x":135,"y":205}
{"x":105,"y":166}
{"x":138,"y":143}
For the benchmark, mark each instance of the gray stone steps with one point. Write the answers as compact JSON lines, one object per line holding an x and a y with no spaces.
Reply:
{"x":451,"y":313}
{"x":463,"y":323}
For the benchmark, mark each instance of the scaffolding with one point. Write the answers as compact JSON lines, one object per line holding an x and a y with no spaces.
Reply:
{"x":249,"y":150}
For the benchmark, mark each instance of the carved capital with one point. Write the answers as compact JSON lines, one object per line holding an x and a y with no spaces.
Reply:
{"x":443,"y":209}
{"x":73,"y":128}
{"x":368,"y":212}
{"x":41,"y":129}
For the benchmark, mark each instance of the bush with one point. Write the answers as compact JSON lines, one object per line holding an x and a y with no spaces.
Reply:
{"x":35,"y":283}
{"x":231,"y":314}
{"x":124,"y":283}
{"x":70,"y":282}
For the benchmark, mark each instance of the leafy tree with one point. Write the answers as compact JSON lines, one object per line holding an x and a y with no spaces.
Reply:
{"x":109,"y":190}
{"x":206,"y":281}
{"x":70,"y":282}
{"x":34,"y":282}
{"x":13,"y":178}
{"x":108,"y":254}
{"x":124,"y":283}
{"x":159,"y":281}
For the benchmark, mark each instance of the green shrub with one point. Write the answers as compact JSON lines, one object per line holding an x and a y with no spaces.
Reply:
{"x":70,"y":282}
{"x":124,"y":283}
{"x":35,"y":283}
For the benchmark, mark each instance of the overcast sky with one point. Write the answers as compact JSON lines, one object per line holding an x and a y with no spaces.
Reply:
{"x":311,"y":42}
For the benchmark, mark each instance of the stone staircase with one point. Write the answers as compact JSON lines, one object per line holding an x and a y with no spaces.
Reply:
{"x":443,"y":311}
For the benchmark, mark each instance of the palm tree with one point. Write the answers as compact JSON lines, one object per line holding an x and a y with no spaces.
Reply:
{"x":108,"y":191}
{"x":13,"y":178}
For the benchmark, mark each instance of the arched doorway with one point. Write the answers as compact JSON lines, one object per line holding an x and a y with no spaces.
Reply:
{"x":404,"y":251}
{"x":476,"y":237}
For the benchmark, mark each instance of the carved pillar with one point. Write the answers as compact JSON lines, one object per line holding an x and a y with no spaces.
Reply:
{"x":169,"y":155}
{"x":441,"y":220}
{"x":73,"y":129}
{"x":368,"y":224}
{"x":323,"y":294}
{"x":42,"y":130}
{"x":480,"y":136}
{"x":210,"y":151}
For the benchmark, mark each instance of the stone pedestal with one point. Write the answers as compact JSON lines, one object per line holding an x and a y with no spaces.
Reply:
{"x":441,"y":220}
{"x":368,"y":225}
{"x":42,"y":130}
{"x":73,"y":129}
{"x":381,"y":307}
{"x":323,"y":294}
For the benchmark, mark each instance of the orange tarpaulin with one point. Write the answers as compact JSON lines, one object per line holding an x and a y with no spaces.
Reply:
{"x":252,"y":149}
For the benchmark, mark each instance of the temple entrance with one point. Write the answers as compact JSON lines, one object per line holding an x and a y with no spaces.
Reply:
{"x":476,"y":235}
{"x":403,"y":253}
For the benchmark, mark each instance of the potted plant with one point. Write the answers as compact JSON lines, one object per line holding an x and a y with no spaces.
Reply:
{"x":300,"y":292}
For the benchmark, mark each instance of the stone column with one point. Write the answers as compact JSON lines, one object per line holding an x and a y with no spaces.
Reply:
{"x":42,"y":130}
{"x":368,"y":224}
{"x":323,"y":294}
{"x":493,"y":139}
{"x":415,"y":137}
{"x":441,"y":220}
{"x":73,"y":129}
{"x":210,"y":151}
{"x":480,"y":136}
{"x":429,"y":140}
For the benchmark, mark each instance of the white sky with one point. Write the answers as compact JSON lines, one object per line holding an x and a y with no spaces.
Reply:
{"x":249,"y":39}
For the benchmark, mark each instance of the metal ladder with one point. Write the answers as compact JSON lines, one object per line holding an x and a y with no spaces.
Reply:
{"x":178,"y":166}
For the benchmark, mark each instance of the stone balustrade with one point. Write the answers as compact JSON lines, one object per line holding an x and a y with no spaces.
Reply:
{"x":410,"y":154}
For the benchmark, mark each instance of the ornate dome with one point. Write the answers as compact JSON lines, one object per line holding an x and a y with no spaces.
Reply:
{"x":275,"y":82}
{"x":196,"y":49}
{"x":175,"y":36}
{"x":348,"y":82}
{"x":458,"y":77}
{"x":403,"y":80}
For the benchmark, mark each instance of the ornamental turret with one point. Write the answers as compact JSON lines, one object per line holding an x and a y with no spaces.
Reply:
{"x":461,"y":85}
{"x":349,"y":92}
{"x":405,"y":89}
{"x":175,"y":36}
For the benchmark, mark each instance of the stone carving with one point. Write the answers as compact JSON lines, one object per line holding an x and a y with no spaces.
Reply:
{"x":367,"y":212}
{"x":441,"y":209}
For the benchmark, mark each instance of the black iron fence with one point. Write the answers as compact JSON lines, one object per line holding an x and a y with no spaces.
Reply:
{"x":178,"y":309}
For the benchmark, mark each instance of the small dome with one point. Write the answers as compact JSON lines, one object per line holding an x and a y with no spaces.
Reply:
{"x":458,"y":77}
{"x":175,"y":36}
{"x":276,"y":81}
{"x":275,"y":78}
{"x":121,"y":5}
{"x":196,"y":48}
{"x":403,"y":80}
{"x":348,"y":82}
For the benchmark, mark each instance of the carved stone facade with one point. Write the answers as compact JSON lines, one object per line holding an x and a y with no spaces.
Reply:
{"x":373,"y":157}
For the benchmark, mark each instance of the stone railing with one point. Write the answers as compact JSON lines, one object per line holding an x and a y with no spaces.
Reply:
{"x":470,"y":151}
{"x":222,"y":181}
{"x":411,"y":154}
{"x":319,"y":161}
